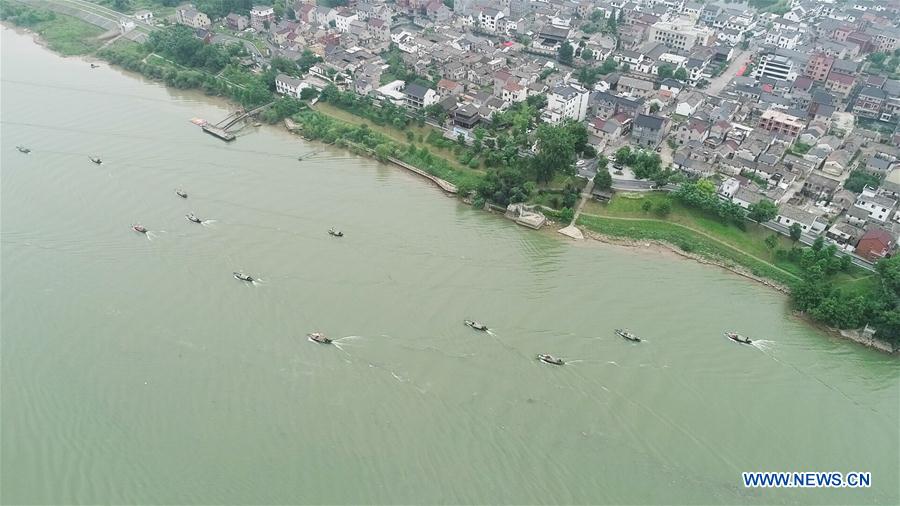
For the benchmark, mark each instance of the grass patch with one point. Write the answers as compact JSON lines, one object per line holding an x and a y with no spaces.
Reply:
{"x":694,"y":223}
{"x":70,"y":36}
{"x":687,"y":240}
{"x":398,"y":136}
{"x":64,"y":34}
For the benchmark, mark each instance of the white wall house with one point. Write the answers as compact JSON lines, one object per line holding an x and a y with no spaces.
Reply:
{"x":566,"y":101}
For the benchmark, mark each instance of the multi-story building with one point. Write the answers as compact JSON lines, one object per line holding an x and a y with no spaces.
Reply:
{"x":680,"y":34}
{"x":648,"y":130}
{"x":773,"y":66}
{"x":489,"y":19}
{"x":818,"y":67}
{"x":261,"y":16}
{"x":418,"y":96}
{"x":783,"y":39}
{"x":566,"y":101}
{"x":879,"y":207}
{"x":236,"y":22}
{"x":192,"y":17}
{"x":776,"y":121}
{"x":343,"y":18}
{"x":869,"y":102}
{"x":287,"y":85}
{"x":840,"y":83}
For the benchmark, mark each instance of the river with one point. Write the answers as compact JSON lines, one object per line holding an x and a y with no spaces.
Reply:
{"x":137,"y":370}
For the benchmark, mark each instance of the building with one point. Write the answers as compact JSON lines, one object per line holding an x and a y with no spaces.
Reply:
{"x":236,"y":22}
{"x":809,"y":223}
{"x":777,"y":67}
{"x":290,"y":86}
{"x":636,"y":87}
{"x":869,"y":102}
{"x":648,"y":131}
{"x":466,"y":117}
{"x":840,"y":83}
{"x":190,"y":16}
{"x":680,"y":34}
{"x":343,"y":18}
{"x":447,"y":88}
{"x":418,"y":97}
{"x":566,"y":101}
{"x":261,"y":17}
{"x":818,"y":67}
{"x":489,"y":19}
{"x":776,"y":121}
{"x":879,"y":207}
{"x":875,"y":244}
{"x":513,"y":92}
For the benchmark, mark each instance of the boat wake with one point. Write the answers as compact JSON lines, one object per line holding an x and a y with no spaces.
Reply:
{"x":763,"y":344}
{"x":491,"y":333}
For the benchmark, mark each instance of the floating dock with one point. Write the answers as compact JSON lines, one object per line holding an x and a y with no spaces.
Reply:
{"x":221,"y":133}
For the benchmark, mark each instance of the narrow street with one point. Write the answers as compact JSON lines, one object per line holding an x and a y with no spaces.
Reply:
{"x":718,"y":83}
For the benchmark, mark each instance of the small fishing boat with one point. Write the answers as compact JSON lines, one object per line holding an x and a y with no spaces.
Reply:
{"x":95,"y":66}
{"x":96,"y":159}
{"x":191,"y":217}
{"x":734,"y":336}
{"x":336,"y":233}
{"x":628,"y":335}
{"x":181,"y":193}
{"x":550,"y":359}
{"x":23,"y":149}
{"x":243,"y":277}
{"x":476,"y":325}
{"x":318,"y":337}
{"x":137,"y":227}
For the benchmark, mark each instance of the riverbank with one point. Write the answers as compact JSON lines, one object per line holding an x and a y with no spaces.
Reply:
{"x":65,"y":35}
{"x":361,"y":139}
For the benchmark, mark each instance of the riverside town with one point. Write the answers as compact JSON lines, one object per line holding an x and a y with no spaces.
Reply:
{"x":449,"y":251}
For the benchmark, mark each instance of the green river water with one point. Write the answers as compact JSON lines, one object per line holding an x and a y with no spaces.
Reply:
{"x":137,"y":370}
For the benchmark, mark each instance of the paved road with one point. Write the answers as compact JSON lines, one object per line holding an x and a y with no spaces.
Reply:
{"x":634,"y":185}
{"x":96,"y":15}
{"x":220,"y":38}
{"x":718,"y":83}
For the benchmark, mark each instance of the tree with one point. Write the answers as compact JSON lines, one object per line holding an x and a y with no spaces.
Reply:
{"x":603,"y":180}
{"x":664,"y":208}
{"x":608,"y":66}
{"x":859,"y":179}
{"x":556,"y":150}
{"x":680,"y":74}
{"x":763,"y":211}
{"x":654,"y":108}
{"x":612,"y":24}
{"x":772,"y":241}
{"x":565,"y":53}
{"x":796,"y":232}
{"x":646,"y":206}
{"x":623,"y":155}
{"x":665,"y":71}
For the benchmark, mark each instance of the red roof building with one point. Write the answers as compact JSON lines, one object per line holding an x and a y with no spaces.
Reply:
{"x":874,"y":245}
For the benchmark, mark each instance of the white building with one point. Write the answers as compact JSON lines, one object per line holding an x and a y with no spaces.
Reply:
{"x":289,"y":86}
{"x":680,"y":34}
{"x":343,"y":18}
{"x":783,"y":39}
{"x":809,"y":223}
{"x":878,"y":206}
{"x":566,"y":101}
{"x":776,"y":67}
{"x":489,"y":19}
